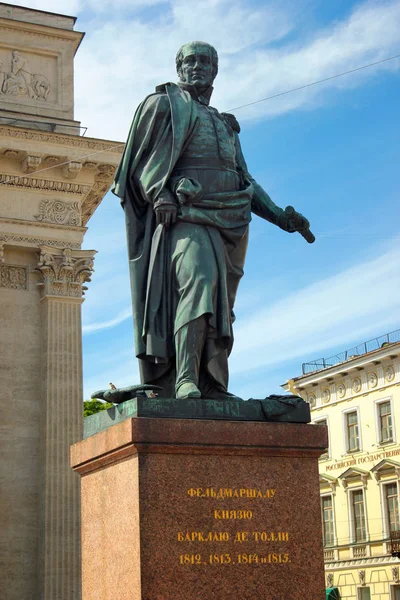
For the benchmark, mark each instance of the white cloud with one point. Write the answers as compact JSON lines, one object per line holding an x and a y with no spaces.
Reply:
{"x":126,"y":53}
{"x":357,"y":301}
{"x":370,"y":34}
{"x":122,"y":60}
{"x":115,"y":5}
{"x":98,"y":326}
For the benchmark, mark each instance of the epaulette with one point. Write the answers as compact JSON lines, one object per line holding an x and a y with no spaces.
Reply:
{"x":232,"y":121}
{"x":162,"y":87}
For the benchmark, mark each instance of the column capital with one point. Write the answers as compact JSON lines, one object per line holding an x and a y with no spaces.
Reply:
{"x":63,"y":272}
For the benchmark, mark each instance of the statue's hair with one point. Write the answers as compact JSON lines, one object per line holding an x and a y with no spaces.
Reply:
{"x":213,"y":52}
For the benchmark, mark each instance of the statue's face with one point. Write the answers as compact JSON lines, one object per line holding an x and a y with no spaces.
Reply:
{"x":197,"y":68}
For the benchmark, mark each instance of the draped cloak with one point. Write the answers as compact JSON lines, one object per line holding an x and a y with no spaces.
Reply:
{"x":162,"y":126}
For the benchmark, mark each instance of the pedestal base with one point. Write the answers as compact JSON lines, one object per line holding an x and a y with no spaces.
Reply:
{"x":180,"y":509}
{"x":268,"y":409}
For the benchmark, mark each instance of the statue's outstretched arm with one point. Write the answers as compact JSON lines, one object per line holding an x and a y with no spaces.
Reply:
{"x":289,"y":219}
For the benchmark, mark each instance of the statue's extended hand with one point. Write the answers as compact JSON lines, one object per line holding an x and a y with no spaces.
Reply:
{"x":297,"y":222}
{"x":166,"y":214}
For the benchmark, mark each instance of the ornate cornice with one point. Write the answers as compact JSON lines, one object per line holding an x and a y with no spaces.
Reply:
{"x":63,"y":139}
{"x":358,"y":562}
{"x":35,"y":242}
{"x":93,"y":199}
{"x":21,"y":181}
{"x":68,"y":168}
{"x":64,"y":273}
{"x":42,"y":31}
{"x":43,"y":224}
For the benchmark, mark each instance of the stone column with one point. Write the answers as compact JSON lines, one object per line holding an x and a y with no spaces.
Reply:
{"x":62,"y":276}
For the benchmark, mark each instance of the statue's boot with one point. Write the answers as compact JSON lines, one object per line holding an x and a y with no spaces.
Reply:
{"x":189,"y":343}
{"x":213,"y":381}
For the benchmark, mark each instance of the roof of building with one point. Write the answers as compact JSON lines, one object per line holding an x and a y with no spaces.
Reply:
{"x":15,"y":8}
{"x":373,"y":345}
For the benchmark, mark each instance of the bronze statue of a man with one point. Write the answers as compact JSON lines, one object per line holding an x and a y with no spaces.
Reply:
{"x":188,"y":199}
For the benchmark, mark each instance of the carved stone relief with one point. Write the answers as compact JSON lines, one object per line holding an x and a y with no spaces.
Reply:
{"x":105,"y":172}
{"x":20,"y":81}
{"x":389,"y":373}
{"x":356,"y":385}
{"x":395,"y":574}
{"x":52,"y":160}
{"x":11,"y":153}
{"x":311,"y":400}
{"x":60,"y":212}
{"x":329,"y":580}
{"x":90,"y":166}
{"x":361,"y":575}
{"x":63,"y":273}
{"x":31,"y":163}
{"x":13,"y":277}
{"x":71,"y":169}
{"x":341,"y":390}
{"x":326,"y":395}
{"x":372,"y":380}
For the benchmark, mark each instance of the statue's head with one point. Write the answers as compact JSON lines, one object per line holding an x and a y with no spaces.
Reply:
{"x":197,"y":64}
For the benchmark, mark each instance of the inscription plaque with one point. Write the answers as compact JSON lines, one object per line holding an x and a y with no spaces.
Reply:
{"x":246,"y":548}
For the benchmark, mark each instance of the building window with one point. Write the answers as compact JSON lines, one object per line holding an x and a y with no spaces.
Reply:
{"x":364,"y":593}
{"x":392,"y":506}
{"x":385,"y":422}
{"x":353,"y":440}
{"x":357,"y":501}
{"x":395,"y":595}
{"x":327,"y":520}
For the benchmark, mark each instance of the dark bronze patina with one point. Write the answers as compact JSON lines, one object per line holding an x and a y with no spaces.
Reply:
{"x":188,"y":198}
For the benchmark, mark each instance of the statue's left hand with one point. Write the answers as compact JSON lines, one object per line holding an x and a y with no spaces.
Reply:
{"x":166,"y":214}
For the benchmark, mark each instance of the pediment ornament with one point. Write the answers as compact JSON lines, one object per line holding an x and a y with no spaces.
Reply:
{"x":353,"y":474}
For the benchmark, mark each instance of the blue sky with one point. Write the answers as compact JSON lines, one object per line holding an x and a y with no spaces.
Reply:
{"x":332,"y":151}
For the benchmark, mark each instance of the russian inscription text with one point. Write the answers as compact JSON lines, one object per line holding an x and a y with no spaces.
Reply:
{"x":229,"y":537}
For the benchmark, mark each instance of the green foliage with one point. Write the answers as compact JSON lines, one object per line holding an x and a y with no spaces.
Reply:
{"x":90,"y":407}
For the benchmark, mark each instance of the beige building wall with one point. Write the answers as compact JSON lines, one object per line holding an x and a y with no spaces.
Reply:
{"x":49,"y":189}
{"x":359,"y":400}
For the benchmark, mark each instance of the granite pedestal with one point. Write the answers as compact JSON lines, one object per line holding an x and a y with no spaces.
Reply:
{"x":195,"y":509}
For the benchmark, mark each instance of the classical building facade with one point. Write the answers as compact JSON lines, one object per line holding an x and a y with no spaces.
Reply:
{"x":51,"y":181}
{"x":357,"y":395}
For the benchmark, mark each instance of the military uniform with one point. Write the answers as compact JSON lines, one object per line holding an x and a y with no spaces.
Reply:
{"x":181,"y":150}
